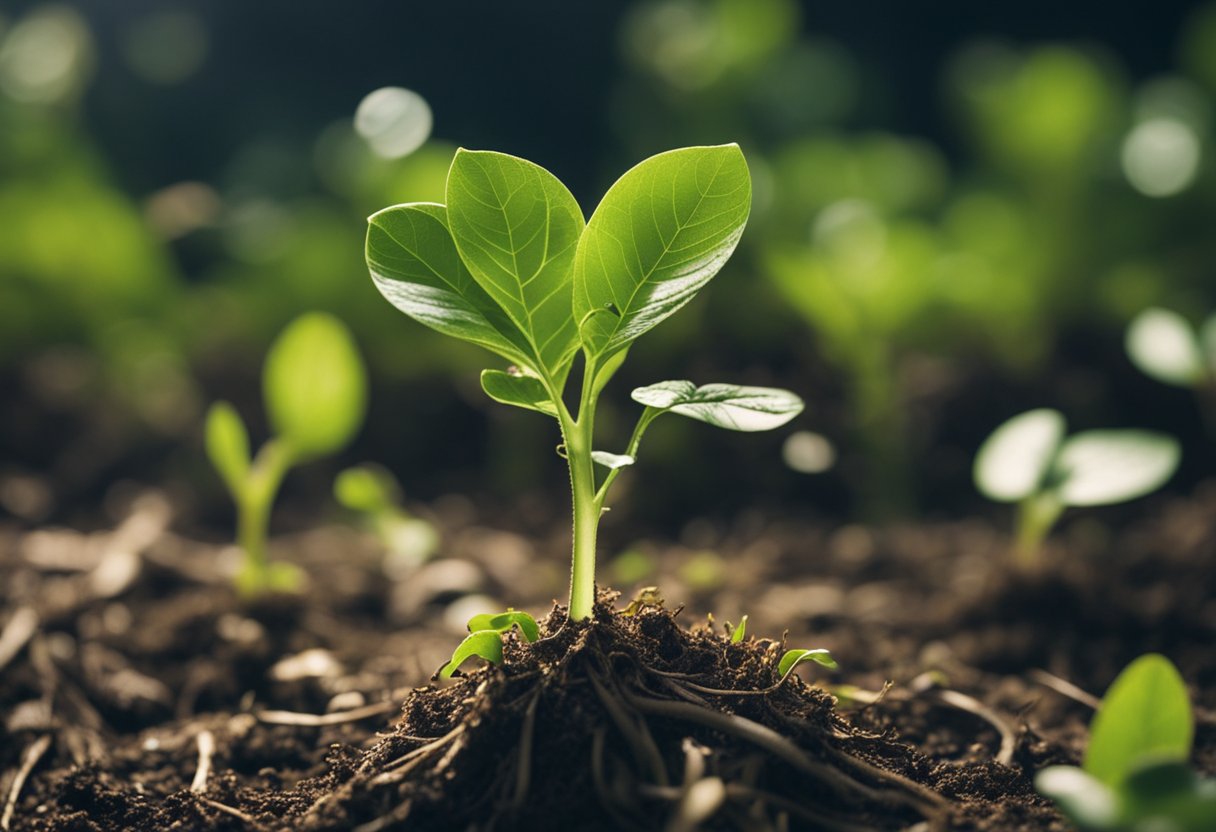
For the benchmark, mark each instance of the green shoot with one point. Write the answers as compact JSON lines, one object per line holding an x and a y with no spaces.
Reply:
{"x":485,"y":638}
{"x":315,"y":392}
{"x":1134,"y":776}
{"x":373,"y":492}
{"x":510,"y":264}
{"x":1030,"y":461}
{"x":792,"y":658}
{"x":738,"y":633}
{"x":1165,"y":346}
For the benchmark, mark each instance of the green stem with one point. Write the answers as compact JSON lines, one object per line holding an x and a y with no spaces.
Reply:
{"x":253,"y":512}
{"x":1036,"y":516}
{"x":648,"y":416}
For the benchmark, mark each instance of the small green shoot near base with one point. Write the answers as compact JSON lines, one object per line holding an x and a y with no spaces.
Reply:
{"x":372,"y":492}
{"x":792,"y":658}
{"x":315,"y":391}
{"x":485,"y":638}
{"x":1029,"y":460}
{"x":509,"y":264}
{"x":1135,"y":776}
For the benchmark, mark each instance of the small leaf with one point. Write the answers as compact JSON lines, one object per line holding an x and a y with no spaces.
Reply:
{"x":660,"y":233}
{"x":415,"y":265}
{"x":315,"y":385}
{"x":1145,"y":715}
{"x":518,"y":390}
{"x":607,"y":370}
{"x":1164,"y":346}
{"x":1013,"y":462}
{"x":503,"y":621}
{"x":366,"y":488}
{"x":793,"y":658}
{"x":227,"y":444}
{"x":612,"y":461}
{"x":740,"y":631}
{"x":1085,"y":799}
{"x":516,"y":227}
{"x":728,"y":406}
{"x":484,"y":643}
{"x":1098,"y":467}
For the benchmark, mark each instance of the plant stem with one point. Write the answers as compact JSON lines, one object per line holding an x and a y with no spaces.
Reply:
{"x":578,"y":435}
{"x":253,"y":513}
{"x":1036,"y":515}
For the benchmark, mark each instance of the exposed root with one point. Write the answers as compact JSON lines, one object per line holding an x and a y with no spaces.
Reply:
{"x":322,"y":720}
{"x":30,"y":759}
{"x":1065,"y":688}
{"x":971,"y":705}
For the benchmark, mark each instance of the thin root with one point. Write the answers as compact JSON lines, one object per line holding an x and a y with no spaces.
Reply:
{"x":32,"y":755}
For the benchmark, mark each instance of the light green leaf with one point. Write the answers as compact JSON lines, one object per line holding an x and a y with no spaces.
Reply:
{"x":516,"y":227}
{"x":1163,"y":344}
{"x":484,"y":643}
{"x":607,"y":370}
{"x":660,"y":233}
{"x":740,"y":631}
{"x":504,"y":621}
{"x":1013,"y":462}
{"x":612,"y":461}
{"x":1098,"y":467}
{"x":227,"y":444}
{"x":1145,"y":715}
{"x":415,"y":265}
{"x":723,"y":405}
{"x":366,"y":488}
{"x":1085,"y":799}
{"x":793,"y":658}
{"x":517,"y":389}
{"x":315,"y":385}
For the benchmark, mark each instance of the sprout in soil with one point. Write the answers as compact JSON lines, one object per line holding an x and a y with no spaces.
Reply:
{"x":315,"y":392}
{"x":1029,"y":460}
{"x":1135,"y":776}
{"x":1165,"y":346}
{"x":509,"y":264}
{"x":373,"y":493}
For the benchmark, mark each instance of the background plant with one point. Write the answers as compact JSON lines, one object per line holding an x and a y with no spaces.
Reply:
{"x":374,"y":493}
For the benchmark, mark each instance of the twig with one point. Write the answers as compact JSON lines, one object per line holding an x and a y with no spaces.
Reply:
{"x":19,"y":630}
{"x":1065,"y":688}
{"x":971,"y":705}
{"x":32,"y":755}
{"x":301,"y":720}
{"x":229,"y":810}
{"x":206,"y":749}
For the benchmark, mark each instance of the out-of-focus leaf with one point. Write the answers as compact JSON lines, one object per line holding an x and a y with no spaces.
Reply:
{"x":1013,"y":462}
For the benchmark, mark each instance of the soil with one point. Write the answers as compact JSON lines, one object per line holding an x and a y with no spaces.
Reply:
{"x":137,"y":691}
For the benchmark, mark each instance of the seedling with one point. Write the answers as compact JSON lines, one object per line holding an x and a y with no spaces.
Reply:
{"x":1135,"y":777}
{"x":1165,"y":346}
{"x":1030,"y":461}
{"x":509,"y":264}
{"x":374,"y":493}
{"x":485,"y":638}
{"x":315,"y":391}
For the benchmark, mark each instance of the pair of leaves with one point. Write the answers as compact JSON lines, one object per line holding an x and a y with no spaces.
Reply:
{"x":1165,"y":346}
{"x":508,"y":263}
{"x":1030,"y":455}
{"x":1135,"y":772}
{"x":485,"y":638}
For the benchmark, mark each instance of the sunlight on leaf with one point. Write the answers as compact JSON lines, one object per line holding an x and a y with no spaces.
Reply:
{"x":1164,"y":346}
{"x":730,"y":406}
{"x":793,"y":658}
{"x":1098,"y":467}
{"x":484,"y":643}
{"x":1013,"y":462}
{"x":518,"y":390}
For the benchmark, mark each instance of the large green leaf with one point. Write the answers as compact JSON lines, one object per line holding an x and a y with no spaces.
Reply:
{"x":516,"y":227}
{"x":415,"y":265}
{"x":660,"y":233}
{"x":518,"y":390}
{"x":723,"y":405}
{"x":1013,"y":462}
{"x":315,"y":385}
{"x":1098,"y":467}
{"x":1145,"y":716}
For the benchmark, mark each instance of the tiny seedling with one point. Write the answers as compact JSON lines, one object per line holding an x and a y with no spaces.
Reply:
{"x":1166,"y":347}
{"x":1029,"y":460}
{"x":1135,"y":777}
{"x":315,"y":392}
{"x":485,"y":638}
{"x":374,"y":494}
{"x":509,"y":263}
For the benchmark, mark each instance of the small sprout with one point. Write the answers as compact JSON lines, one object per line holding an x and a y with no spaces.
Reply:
{"x":315,"y":391}
{"x":485,"y":638}
{"x":1135,"y":775}
{"x":503,"y":621}
{"x":792,"y":658}
{"x":611,"y":461}
{"x":1165,"y":346}
{"x":1029,"y":460}
{"x":373,"y":492}
{"x":648,"y":597}
{"x":739,"y":632}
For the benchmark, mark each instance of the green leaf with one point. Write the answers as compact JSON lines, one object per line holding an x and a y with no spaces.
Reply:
{"x":1013,"y":462}
{"x":315,"y":385}
{"x":1145,"y":715}
{"x":366,"y":488}
{"x":724,"y":405}
{"x":415,"y":265}
{"x":484,"y":643}
{"x":740,"y":631}
{"x":1085,"y":799}
{"x":1164,"y":346}
{"x":1098,"y":467}
{"x":660,"y":233}
{"x":504,"y":621}
{"x":793,"y":658}
{"x":607,"y":370}
{"x":227,"y":444}
{"x":516,"y":227}
{"x":517,"y":389}
{"x":612,"y":461}
{"x":1170,"y":796}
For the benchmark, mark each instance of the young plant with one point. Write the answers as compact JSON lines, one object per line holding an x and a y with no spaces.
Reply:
{"x":315,"y":391}
{"x":509,"y":264}
{"x":1030,"y":461}
{"x":373,"y":493}
{"x":1135,"y":777}
{"x":1165,"y":346}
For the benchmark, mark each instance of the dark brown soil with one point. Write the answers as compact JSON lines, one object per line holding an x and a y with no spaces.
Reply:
{"x":126,"y":664}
